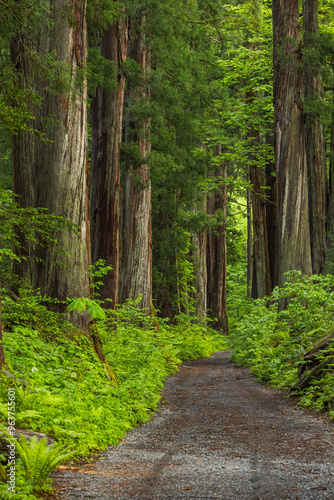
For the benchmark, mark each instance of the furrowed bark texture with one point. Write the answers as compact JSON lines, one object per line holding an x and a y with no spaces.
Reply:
{"x":314,"y":141}
{"x":271,"y":217}
{"x":199,"y":242}
{"x":105,"y":164}
{"x":249,"y":243}
{"x":261,"y":279}
{"x":294,"y":250}
{"x":330,"y":206}
{"x":137,"y":218}
{"x":217,"y":257}
{"x":54,"y":174}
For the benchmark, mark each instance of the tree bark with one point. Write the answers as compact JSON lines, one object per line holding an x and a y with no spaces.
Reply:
{"x":199,"y":243}
{"x":137,"y":216}
{"x":271,"y":218}
{"x":314,"y":141}
{"x":261,"y":278}
{"x":54,"y":173}
{"x":105,"y":164}
{"x":330,"y":206}
{"x":249,"y":243}
{"x":293,"y":229}
{"x":315,"y":365}
{"x":217,"y":255}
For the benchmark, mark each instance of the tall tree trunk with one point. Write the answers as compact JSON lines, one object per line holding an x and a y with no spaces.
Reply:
{"x":199,"y":243}
{"x":217,"y":255}
{"x":315,"y":141}
{"x":54,"y":174}
{"x":293,"y":230}
{"x":330,"y":206}
{"x":137,"y":239}
{"x":261,"y":279}
{"x":211,"y":258}
{"x":105,"y":164}
{"x":249,"y":243}
{"x":261,"y":276}
{"x":271,"y":217}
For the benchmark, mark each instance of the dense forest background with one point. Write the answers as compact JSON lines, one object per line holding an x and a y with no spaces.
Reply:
{"x":151,"y":127}
{"x":160,"y":163}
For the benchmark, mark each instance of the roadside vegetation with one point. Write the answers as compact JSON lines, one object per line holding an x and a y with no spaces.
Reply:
{"x":63,"y":390}
{"x":287,"y":339}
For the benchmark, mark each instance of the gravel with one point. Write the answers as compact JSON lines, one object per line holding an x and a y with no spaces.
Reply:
{"x":220,"y":434}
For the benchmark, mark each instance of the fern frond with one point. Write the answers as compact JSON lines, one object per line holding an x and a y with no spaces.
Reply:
{"x":21,"y":415}
{"x":21,"y":448}
{"x":38,"y":456}
{"x":54,"y":459}
{"x":51,"y":452}
{"x":40,"y":459}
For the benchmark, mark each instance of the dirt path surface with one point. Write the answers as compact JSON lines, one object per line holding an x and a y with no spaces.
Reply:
{"x":219,"y":435}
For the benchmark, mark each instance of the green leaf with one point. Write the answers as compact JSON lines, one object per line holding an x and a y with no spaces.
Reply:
{"x":78,"y":305}
{"x":96,"y":312}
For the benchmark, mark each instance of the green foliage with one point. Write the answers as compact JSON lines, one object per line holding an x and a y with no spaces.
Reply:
{"x":69,"y":395}
{"x":237,"y":303}
{"x":100,"y":72}
{"x":27,"y":310}
{"x":3,"y":472}
{"x":93,"y":308}
{"x":101,"y":14}
{"x":183,"y":82}
{"x":35,"y":225}
{"x":273,"y":343}
{"x":39,"y":459}
{"x":24,"y":487}
{"x":319,"y":395}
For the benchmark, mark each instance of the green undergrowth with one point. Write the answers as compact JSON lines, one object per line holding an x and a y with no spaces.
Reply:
{"x":274,"y":343}
{"x":62,"y":388}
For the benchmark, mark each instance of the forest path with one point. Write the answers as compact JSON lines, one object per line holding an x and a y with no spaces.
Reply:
{"x":219,"y":435}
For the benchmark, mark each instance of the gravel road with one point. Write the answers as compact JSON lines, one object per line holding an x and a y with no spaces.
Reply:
{"x":220,"y":434}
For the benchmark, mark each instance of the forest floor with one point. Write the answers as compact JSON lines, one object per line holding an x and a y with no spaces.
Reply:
{"x":220,"y":434}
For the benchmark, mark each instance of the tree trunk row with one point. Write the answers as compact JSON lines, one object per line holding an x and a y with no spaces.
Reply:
{"x":289,"y":229}
{"x":54,"y":173}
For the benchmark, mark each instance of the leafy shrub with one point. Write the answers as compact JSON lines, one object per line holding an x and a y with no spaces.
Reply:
{"x":273,"y":343}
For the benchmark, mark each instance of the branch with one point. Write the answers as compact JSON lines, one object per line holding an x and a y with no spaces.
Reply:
{"x":13,"y":15}
{"x":12,"y":293}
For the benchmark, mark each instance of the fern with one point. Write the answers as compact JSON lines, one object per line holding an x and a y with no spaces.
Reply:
{"x":22,"y":415}
{"x":31,"y":399}
{"x":40,"y":459}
